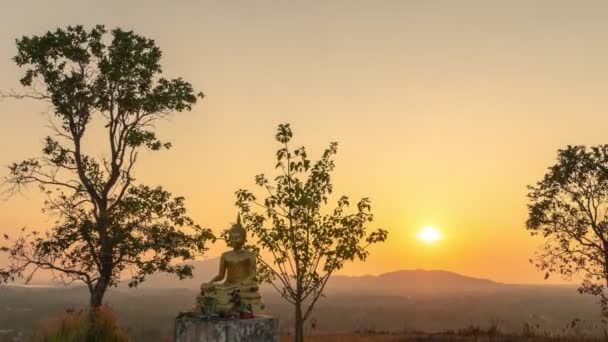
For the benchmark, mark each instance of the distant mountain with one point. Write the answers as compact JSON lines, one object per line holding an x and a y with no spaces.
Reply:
{"x":398,"y":282}
{"x":204,"y":270}
{"x":412,"y":281}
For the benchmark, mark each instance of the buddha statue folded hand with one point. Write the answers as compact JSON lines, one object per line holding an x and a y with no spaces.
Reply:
{"x":240,"y":291}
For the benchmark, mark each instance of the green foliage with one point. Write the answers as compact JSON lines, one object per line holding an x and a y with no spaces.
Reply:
{"x":306,"y":242}
{"x":106,"y":224}
{"x":569,"y":208}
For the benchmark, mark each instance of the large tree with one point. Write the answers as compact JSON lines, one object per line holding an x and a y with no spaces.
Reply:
{"x":300,"y":242}
{"x":106,"y":94}
{"x":569,"y":209}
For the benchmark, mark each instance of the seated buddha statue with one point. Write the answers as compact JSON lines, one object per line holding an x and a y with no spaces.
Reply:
{"x":240,"y":290}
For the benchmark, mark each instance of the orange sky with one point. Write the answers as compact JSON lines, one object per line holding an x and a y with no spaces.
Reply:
{"x":444,"y":110}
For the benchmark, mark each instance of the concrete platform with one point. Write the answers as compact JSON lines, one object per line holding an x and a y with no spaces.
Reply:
{"x":257,"y":329}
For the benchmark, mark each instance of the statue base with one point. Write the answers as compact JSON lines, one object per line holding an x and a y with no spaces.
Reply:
{"x":257,"y":329}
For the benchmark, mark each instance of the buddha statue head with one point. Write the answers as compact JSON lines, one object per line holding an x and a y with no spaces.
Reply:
{"x":237,"y":235}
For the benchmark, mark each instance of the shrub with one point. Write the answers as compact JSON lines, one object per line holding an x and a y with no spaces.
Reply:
{"x":494,"y":328}
{"x":528,"y":330}
{"x":472,"y":330}
{"x":75,"y":326}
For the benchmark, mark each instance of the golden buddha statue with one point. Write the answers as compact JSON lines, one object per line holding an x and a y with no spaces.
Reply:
{"x":240,"y":291}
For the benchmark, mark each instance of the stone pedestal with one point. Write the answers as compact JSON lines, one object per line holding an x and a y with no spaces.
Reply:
{"x":258,"y":329}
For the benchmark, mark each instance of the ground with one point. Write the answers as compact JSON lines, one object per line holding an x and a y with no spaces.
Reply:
{"x":428,"y":338}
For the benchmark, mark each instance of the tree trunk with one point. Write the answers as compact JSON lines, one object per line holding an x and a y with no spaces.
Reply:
{"x":95,"y":302}
{"x":299,"y":323}
{"x":105,"y":259}
{"x":97,"y":297}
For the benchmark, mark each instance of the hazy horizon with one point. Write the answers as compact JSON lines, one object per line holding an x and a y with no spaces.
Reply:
{"x":444,"y":111}
{"x":206,"y":269}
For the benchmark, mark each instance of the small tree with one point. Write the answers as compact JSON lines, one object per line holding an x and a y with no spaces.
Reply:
{"x":569,"y":209}
{"x":106,"y":225}
{"x":299,"y":244}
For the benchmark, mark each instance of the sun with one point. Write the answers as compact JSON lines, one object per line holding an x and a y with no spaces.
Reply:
{"x":429,"y":234}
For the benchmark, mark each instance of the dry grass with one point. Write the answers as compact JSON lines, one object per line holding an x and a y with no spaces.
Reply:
{"x":353,"y":337}
{"x":74,"y":327}
{"x":346,"y":338}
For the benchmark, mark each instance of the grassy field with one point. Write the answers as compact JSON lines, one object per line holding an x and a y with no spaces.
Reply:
{"x":147,"y":315}
{"x":432,"y":337}
{"x":345,"y":338}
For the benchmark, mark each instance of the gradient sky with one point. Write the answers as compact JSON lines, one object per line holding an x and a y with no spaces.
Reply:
{"x":444,"y":110}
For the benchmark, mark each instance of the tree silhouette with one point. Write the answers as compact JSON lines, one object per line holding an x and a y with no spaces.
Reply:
{"x":569,"y":209}
{"x":106,"y":224}
{"x":299,"y":244}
